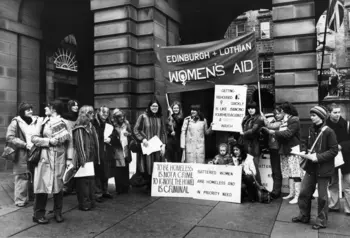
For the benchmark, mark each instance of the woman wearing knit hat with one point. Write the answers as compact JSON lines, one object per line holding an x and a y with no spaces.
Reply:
{"x":19,"y":134}
{"x":319,"y":168}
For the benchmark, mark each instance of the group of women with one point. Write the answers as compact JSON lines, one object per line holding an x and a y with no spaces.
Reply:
{"x":78,"y":137}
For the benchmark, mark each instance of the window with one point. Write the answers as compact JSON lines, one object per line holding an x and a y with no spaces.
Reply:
{"x":265,"y":69}
{"x":265,"y":30}
{"x":240,"y":29}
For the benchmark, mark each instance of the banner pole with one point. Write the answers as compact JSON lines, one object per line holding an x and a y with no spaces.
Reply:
{"x":257,"y":74}
{"x":167,"y":99}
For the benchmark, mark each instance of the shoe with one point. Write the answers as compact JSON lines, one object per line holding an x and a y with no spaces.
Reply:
{"x":59,"y":218}
{"x":98,"y":200}
{"x":41,"y":220}
{"x":333,"y":210}
{"x":317,"y":227}
{"x":107,"y":195}
{"x":347,"y":213}
{"x":275,"y":195}
{"x":84,"y":209}
{"x":297,"y":186}
{"x":291,"y":190}
{"x":301,"y":220}
{"x":21,"y":205}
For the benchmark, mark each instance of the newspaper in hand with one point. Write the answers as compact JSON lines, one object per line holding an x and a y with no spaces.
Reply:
{"x":296,"y":151}
{"x":154,"y":145}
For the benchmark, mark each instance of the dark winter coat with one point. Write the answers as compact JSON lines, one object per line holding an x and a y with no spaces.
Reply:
{"x":251,"y":128}
{"x":326,"y":149}
{"x":290,"y":137}
{"x":341,"y":130}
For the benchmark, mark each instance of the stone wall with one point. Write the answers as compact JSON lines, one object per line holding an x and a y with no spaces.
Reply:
{"x":126,"y":34}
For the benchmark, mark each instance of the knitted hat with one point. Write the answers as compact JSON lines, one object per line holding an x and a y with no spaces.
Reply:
{"x":320,"y":111}
{"x":23,"y":106}
{"x":117,"y":112}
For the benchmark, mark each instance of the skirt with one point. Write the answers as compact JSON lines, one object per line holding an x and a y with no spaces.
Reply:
{"x":290,"y":166}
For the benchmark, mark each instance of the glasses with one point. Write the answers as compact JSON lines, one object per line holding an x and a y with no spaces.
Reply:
{"x":90,"y":112}
{"x":154,"y":106}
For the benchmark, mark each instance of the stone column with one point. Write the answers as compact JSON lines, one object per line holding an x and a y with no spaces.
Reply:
{"x":294,"y":30}
{"x":126,"y":34}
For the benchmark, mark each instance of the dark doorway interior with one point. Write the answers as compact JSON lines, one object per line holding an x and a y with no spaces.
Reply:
{"x":205,"y":98}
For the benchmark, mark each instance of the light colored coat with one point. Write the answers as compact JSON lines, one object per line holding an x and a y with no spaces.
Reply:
{"x":193,"y":139}
{"x":48,"y":175}
{"x":20,"y":142}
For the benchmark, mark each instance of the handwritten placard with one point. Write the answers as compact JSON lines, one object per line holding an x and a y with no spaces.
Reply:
{"x":229,"y":107}
{"x":172,"y":180}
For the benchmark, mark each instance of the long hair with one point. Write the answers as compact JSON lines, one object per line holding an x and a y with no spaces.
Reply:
{"x":71,"y":103}
{"x":116,"y":114}
{"x":288,"y":108}
{"x":178,"y":116}
{"x":242,"y":150}
{"x":58,"y":106}
{"x":150,"y":113}
{"x":83,"y":118}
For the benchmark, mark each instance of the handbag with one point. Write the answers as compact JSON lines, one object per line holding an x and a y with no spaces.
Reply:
{"x":35,"y":152}
{"x":263,"y":195}
{"x":10,"y":150}
{"x":305,"y":163}
{"x":134,"y":145}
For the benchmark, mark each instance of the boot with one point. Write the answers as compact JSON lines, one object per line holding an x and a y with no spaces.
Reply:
{"x":291,"y":189}
{"x":297,"y":186}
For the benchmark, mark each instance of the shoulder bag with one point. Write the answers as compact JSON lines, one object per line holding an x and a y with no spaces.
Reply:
{"x":35,"y":152}
{"x":10,"y":150}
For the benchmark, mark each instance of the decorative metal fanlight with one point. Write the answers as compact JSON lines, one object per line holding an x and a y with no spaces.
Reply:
{"x":65,"y":59}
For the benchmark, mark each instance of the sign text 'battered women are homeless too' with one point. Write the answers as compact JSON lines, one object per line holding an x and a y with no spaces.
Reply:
{"x":200,"y":181}
{"x":201,"y":66}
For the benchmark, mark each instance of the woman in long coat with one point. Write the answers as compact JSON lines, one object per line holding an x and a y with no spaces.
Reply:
{"x":148,"y":125}
{"x":193,"y":132}
{"x":121,"y":153}
{"x":56,"y":152}
{"x":19,"y":134}
{"x":86,"y":145}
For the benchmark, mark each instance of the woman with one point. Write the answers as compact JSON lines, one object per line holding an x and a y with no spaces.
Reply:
{"x":319,"y":169}
{"x":102,"y":170}
{"x":274,"y":146}
{"x":121,"y":152}
{"x":193,"y":133}
{"x":148,"y":125}
{"x":174,"y":125}
{"x":56,"y":153}
{"x":251,"y":124}
{"x":288,"y":136}
{"x":86,"y":145}
{"x":71,"y":116}
{"x":19,"y":134}
{"x":240,"y":157}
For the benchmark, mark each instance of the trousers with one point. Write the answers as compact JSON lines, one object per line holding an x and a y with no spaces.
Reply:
{"x":41,"y":201}
{"x":308,"y":186}
{"x":276,"y":171}
{"x":334,"y":202}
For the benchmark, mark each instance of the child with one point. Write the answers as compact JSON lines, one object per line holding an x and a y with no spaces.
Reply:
{"x":223,"y":157}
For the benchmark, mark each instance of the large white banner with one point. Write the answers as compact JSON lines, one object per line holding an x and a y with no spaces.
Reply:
{"x":201,"y":181}
{"x":229,"y":107}
{"x":218,"y":182}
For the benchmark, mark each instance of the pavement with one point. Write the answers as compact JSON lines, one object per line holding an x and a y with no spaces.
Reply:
{"x":138,"y":215}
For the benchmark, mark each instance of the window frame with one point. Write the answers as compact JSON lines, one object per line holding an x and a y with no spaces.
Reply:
{"x":266,"y":31}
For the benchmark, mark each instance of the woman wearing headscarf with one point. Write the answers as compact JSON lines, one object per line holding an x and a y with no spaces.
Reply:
{"x":251,"y":124}
{"x":54,"y":139}
{"x":86,"y":145}
{"x":148,"y":125}
{"x":319,"y":169}
{"x":288,"y":136}
{"x":121,"y":153}
{"x":193,"y":132}
{"x":19,"y":134}
{"x":174,"y":125}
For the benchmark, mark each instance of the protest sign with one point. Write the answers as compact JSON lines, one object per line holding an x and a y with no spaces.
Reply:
{"x":172,"y":180}
{"x":200,"y":66}
{"x":229,"y":107}
{"x":266,"y":172}
{"x":218,"y":182}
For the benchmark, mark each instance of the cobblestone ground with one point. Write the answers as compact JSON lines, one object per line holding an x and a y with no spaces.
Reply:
{"x":138,"y":215}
